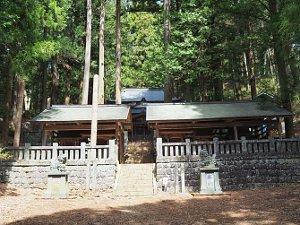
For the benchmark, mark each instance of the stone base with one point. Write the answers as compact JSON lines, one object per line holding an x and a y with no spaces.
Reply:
{"x":210,"y":182}
{"x":57,"y":186}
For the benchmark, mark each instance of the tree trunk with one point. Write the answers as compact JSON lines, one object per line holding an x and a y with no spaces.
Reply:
{"x":44,"y":71}
{"x":250,"y":71}
{"x":94,"y":122}
{"x":178,"y":5}
{"x":87,"y":58}
{"x":294,"y":70}
{"x":215,"y":61}
{"x":203,"y":88}
{"x":7,"y":102}
{"x":118,"y":52}
{"x":68,"y":86}
{"x":167,"y":23}
{"x":55,"y":82}
{"x":218,"y":89}
{"x":280,"y":60}
{"x":251,"y":64}
{"x":101,"y":53}
{"x":167,"y":31}
{"x":217,"y":81}
{"x":19,"y":112}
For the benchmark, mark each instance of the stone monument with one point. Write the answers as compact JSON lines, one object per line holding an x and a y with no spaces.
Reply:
{"x":57,"y":179}
{"x":209,"y":176}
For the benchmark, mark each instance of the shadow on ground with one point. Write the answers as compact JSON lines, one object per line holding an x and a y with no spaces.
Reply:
{"x":5,"y":168}
{"x":247,"y":207}
{"x":7,"y":191}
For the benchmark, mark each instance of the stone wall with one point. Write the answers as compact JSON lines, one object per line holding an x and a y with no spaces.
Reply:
{"x":100,"y":176}
{"x":236,"y":172}
{"x":239,"y":172}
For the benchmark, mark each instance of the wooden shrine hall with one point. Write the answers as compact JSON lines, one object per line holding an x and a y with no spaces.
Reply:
{"x":71,"y":124}
{"x":204,"y":121}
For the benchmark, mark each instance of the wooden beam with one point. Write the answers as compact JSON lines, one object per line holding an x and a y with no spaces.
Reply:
{"x":70,"y":127}
{"x":236,"y":135}
{"x":209,"y":124}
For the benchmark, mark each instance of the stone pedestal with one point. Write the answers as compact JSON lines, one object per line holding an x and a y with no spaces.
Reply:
{"x":209,"y":180}
{"x":57,"y":185}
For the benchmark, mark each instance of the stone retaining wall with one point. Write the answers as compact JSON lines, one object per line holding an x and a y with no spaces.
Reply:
{"x":100,"y":176}
{"x":236,"y":172}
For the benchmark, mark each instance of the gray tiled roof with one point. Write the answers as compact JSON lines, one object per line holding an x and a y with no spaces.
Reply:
{"x":137,"y":94}
{"x":207,"y":111}
{"x":63,"y":113}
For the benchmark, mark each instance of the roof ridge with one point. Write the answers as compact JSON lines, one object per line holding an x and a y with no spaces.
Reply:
{"x":88,"y":106}
{"x":156,"y":88}
{"x":202,"y":103}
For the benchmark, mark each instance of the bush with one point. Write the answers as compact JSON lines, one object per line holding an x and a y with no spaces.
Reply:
{"x":5,"y":155}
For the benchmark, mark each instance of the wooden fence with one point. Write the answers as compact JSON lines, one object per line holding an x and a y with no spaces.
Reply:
{"x":100,"y":153}
{"x":183,"y":150}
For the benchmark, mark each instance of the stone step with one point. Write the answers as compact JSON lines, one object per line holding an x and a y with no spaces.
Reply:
{"x":136,"y":185}
{"x":135,"y":180}
{"x":137,"y":170}
{"x":128,"y":190}
{"x":124,"y":194}
{"x":131,"y":172}
{"x":134,"y":191}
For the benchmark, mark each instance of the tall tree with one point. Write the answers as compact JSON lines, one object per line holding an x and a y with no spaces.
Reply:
{"x":101,"y":52}
{"x":250,"y":61}
{"x":7,"y":101}
{"x":280,"y":59}
{"x":55,"y":82}
{"x":87,"y":58}
{"x":19,"y":112}
{"x":167,"y":32}
{"x":118,"y":52}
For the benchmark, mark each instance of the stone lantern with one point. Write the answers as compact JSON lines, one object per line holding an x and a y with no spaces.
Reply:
{"x":57,"y":179}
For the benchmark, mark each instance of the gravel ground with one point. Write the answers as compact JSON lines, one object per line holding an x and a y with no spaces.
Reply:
{"x":263,"y":206}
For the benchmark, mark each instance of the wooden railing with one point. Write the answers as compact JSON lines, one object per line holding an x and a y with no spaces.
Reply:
{"x":99,"y":153}
{"x":192,"y":150}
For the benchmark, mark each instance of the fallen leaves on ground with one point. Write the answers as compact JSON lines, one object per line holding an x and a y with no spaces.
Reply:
{"x":262,"y":206}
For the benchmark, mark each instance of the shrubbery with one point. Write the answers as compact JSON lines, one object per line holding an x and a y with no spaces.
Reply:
{"x":4,"y":155}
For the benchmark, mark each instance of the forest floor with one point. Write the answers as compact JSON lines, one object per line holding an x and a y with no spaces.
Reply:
{"x":261,"y":206}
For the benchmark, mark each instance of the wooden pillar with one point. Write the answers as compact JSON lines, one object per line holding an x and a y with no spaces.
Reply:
{"x":125,"y":140}
{"x":280,"y":130}
{"x":94,"y":115}
{"x":236,"y":134}
{"x":119,"y":142}
{"x":156,"y":130}
{"x":45,"y":135}
{"x":159,"y":148}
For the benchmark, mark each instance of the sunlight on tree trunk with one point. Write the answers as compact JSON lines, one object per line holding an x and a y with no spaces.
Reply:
{"x":118,"y":52}
{"x":101,"y":53}
{"x":167,"y":31}
{"x":87,"y":58}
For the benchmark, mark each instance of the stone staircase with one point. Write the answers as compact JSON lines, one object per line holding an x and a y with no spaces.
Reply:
{"x":139,"y":152}
{"x":135,"y":180}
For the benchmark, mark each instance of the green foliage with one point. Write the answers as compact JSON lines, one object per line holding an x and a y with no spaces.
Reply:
{"x":209,"y":39}
{"x":5,"y":155}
